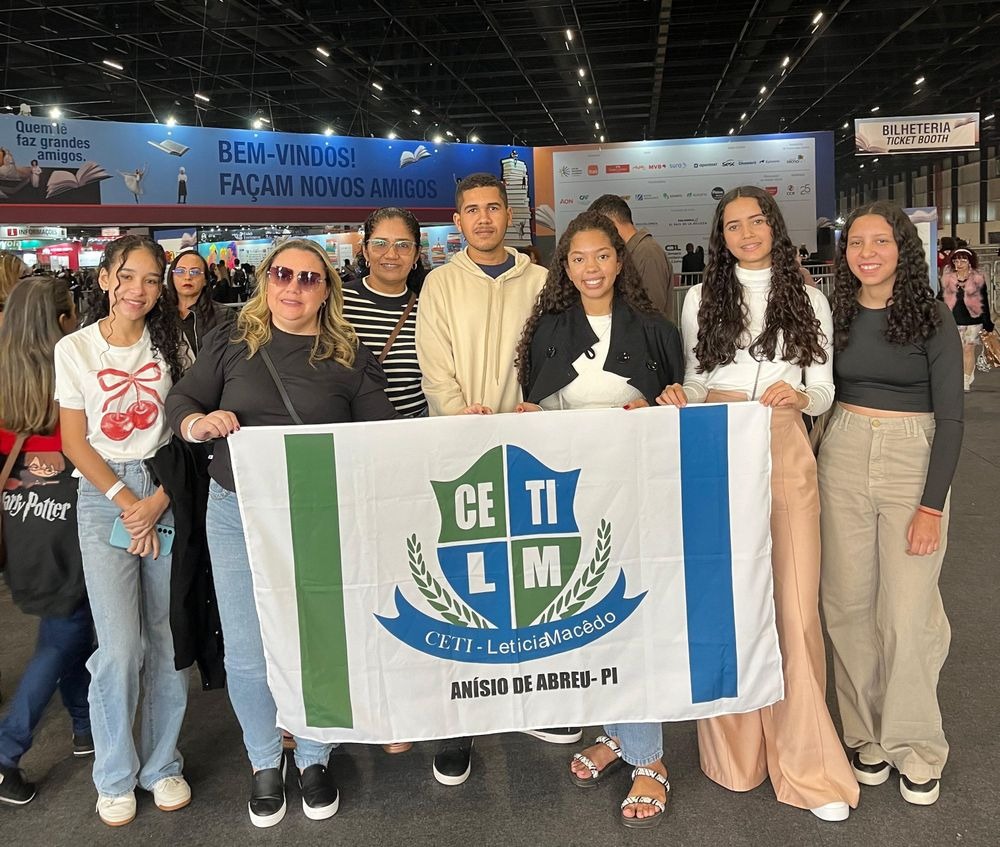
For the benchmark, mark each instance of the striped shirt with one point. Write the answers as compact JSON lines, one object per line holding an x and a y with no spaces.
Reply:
{"x":374,"y":316}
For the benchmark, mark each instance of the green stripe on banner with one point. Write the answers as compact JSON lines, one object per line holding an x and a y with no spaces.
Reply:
{"x":319,"y":583}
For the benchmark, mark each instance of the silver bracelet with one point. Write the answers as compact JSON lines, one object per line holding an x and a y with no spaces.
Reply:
{"x":189,"y":435}
{"x":112,"y":492}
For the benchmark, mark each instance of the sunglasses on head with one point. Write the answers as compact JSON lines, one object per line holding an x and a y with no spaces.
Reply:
{"x":282,"y":276}
{"x":188,"y":272}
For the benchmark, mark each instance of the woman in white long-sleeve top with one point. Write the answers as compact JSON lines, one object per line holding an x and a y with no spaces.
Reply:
{"x":753,"y":331}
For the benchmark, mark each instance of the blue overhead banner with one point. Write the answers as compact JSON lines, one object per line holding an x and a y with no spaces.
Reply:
{"x":44,"y":161}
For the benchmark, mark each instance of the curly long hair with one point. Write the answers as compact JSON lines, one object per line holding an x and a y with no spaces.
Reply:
{"x":335,"y":339}
{"x":559,"y":294}
{"x":911,"y":313}
{"x":162,"y":321}
{"x":28,"y":338}
{"x":723,"y":315}
{"x":204,"y":312}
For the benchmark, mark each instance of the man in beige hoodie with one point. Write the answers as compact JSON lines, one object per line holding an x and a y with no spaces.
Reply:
{"x":473,"y":309}
{"x":471,"y":315}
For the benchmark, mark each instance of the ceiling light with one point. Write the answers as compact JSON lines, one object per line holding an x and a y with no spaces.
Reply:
{"x":743,"y":117}
{"x":596,"y":125}
{"x":474,"y":139}
{"x":265,"y":120}
{"x":415,"y":111}
{"x":323,"y":52}
{"x":257,"y":124}
{"x":328,"y":131}
{"x":919,"y":81}
{"x":199,"y":96}
{"x":818,"y":17}
{"x":602,"y":139}
{"x":875,"y":159}
{"x":862,"y":165}
{"x":324,"y":64}
{"x":437,"y":139}
{"x":171,"y":121}
{"x":569,"y":35}
{"x":590,"y":101}
{"x":392,"y":134}
{"x":787,"y":62}
{"x":763,"y":89}
{"x":581,"y":71}
{"x":55,"y":112}
{"x":376,"y":86}
{"x":875,"y":108}
{"x":731,"y":130}
{"x":449,"y":133}
{"x":114,"y":65}
{"x":990,"y":116}
{"x":847,"y":124}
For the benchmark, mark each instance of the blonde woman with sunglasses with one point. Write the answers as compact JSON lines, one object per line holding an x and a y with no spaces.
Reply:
{"x":295,"y":320}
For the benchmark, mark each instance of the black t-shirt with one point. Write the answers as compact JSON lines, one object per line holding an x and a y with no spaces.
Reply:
{"x":327,"y":392}
{"x":925,"y":377}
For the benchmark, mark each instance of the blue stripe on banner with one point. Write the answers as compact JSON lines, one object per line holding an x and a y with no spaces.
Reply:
{"x":708,"y":561}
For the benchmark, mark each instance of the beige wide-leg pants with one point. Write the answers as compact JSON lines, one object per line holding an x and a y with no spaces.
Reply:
{"x":883,"y":608}
{"x":794,"y":741}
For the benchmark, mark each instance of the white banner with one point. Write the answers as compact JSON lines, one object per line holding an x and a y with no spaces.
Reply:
{"x":916,"y":134}
{"x":467,"y":575}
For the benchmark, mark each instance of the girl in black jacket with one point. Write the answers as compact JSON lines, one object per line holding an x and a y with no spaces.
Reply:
{"x":594,"y":340}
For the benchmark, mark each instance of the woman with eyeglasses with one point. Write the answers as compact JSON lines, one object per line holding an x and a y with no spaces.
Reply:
{"x":963,"y":289}
{"x":382,"y":308}
{"x":295,"y":323}
{"x":189,"y":293}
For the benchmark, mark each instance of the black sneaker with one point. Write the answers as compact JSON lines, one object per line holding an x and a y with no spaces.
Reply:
{"x":919,"y":793}
{"x":267,"y":796}
{"x":320,"y":797}
{"x":13,"y":787}
{"x":453,"y":761}
{"x":83,"y":744}
{"x":557,"y":734}
{"x":869,"y":774}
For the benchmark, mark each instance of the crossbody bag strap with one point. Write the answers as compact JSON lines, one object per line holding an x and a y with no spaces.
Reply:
{"x":397,"y":329}
{"x":271,"y":369}
{"x":8,"y":466}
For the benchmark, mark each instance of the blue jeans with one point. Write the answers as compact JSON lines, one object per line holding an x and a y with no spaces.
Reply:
{"x":641,"y":743}
{"x":246,"y":670}
{"x":130,"y":601}
{"x":59,"y":663}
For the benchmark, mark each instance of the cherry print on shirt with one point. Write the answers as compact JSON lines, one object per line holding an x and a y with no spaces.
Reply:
{"x":141,"y":414}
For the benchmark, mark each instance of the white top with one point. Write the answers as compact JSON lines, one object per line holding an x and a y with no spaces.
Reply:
{"x":121,"y":390}
{"x":594,"y":387}
{"x":741,"y":375}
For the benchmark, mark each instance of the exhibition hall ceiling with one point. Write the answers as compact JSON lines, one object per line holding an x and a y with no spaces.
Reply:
{"x":532,"y":72}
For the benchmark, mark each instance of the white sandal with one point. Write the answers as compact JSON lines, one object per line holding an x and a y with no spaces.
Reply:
{"x":637,"y":799}
{"x":596,"y":773}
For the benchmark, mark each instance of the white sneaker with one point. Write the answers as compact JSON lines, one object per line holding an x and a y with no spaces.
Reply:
{"x":171,"y":793}
{"x":832,"y":811}
{"x":116,"y":811}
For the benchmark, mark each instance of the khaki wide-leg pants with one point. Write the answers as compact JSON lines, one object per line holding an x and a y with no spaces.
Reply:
{"x":794,"y":741}
{"x":883,"y":608}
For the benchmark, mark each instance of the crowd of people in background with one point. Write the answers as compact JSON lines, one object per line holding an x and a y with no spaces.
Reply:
{"x":492,"y":331}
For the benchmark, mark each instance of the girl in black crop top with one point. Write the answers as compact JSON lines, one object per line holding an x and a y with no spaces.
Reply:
{"x":885,"y":469}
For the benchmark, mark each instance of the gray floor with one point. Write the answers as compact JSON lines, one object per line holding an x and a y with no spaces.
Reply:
{"x":519,"y":792}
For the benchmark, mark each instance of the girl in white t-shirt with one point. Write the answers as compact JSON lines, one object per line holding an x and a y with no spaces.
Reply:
{"x":111,"y":380}
{"x":753,"y":330}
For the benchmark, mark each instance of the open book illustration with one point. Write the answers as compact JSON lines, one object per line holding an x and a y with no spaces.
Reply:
{"x":408,"y":158}
{"x":62,"y":181}
{"x":168,"y":145}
